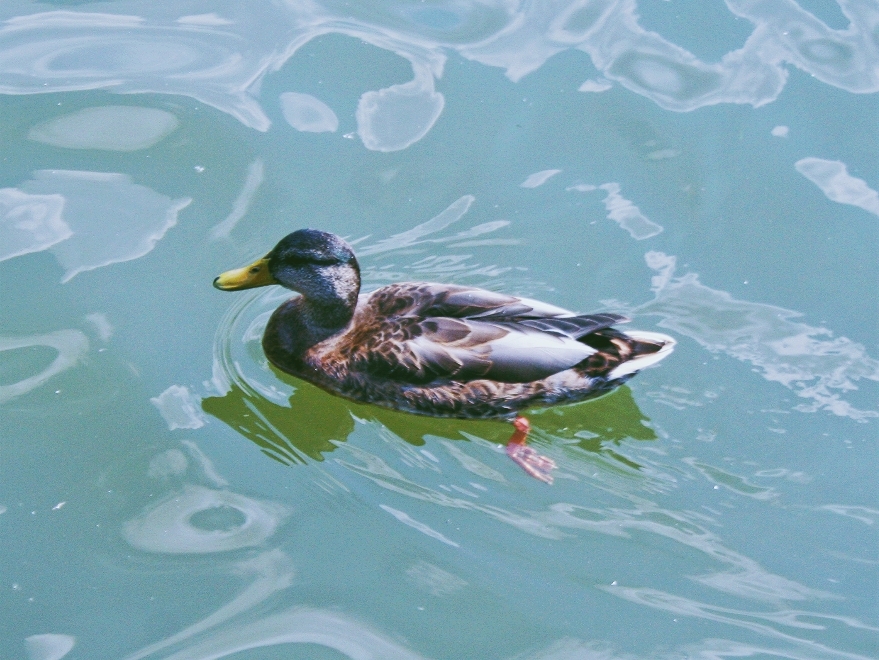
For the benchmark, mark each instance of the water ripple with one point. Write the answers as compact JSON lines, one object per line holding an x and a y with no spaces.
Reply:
{"x":221,"y":61}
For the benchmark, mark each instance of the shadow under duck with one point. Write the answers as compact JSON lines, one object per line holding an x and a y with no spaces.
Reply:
{"x":437,"y":349}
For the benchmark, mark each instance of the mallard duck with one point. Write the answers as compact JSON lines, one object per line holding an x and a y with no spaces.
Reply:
{"x":437,"y":349}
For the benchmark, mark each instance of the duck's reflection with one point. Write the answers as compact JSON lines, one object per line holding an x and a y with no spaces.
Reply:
{"x":315,"y":422}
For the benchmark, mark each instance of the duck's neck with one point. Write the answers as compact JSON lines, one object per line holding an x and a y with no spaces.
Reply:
{"x":325,"y":318}
{"x":314,"y":316}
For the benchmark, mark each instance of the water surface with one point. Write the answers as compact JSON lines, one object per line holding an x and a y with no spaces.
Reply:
{"x":708,"y":168}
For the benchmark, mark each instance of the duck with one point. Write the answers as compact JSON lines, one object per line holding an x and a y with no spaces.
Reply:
{"x":443,"y":350}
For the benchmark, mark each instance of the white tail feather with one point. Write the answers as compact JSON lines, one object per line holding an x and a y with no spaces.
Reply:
{"x":635,"y":365}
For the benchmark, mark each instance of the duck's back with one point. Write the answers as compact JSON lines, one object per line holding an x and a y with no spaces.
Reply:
{"x":467,"y":352}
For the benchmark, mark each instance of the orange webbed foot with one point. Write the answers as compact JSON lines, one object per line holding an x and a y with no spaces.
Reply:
{"x":529,"y":460}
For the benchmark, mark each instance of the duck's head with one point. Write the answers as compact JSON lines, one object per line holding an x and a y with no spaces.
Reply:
{"x":315,"y":263}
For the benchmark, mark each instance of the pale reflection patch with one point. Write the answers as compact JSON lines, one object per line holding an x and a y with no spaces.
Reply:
{"x":433,"y":579}
{"x":255,"y":175}
{"x":733,"y":482}
{"x":170,"y":463}
{"x":707,"y":649}
{"x":832,"y":177}
{"x":297,"y":625}
{"x":756,"y":622}
{"x":623,"y":211}
{"x":406,"y":519}
{"x":627,"y":215}
{"x":110,"y":128}
{"x":538,"y":178}
{"x":211,"y":19}
{"x":741,"y":575}
{"x":49,"y":646}
{"x":101,"y":324}
{"x":808,"y":360}
{"x":112,"y":219}
{"x":270,"y":572}
{"x":71,"y":345}
{"x":780,"y":131}
{"x":418,"y":234}
{"x":472,"y":464}
{"x":595,"y":86}
{"x":30,"y":223}
{"x":307,"y":113}
{"x":393,"y":118}
{"x":233,"y":629}
{"x":180,"y":408}
{"x":865,"y":514}
{"x":378,"y":471}
{"x":205,"y":463}
{"x":222,"y":62}
{"x":201,"y":520}
{"x":60,"y":51}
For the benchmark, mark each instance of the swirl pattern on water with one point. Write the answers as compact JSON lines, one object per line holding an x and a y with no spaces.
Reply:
{"x":221,"y":58}
{"x":238,"y":358}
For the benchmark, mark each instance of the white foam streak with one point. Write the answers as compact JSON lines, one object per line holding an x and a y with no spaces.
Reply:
{"x":747,"y":620}
{"x":414,"y":236}
{"x":110,"y":128}
{"x":865,"y":514}
{"x":30,"y":223}
{"x":406,"y":519}
{"x":622,"y":211}
{"x":595,"y":86}
{"x":211,"y":19}
{"x":742,"y":576}
{"x":808,"y":360}
{"x":179,"y":407}
{"x":112,"y":219}
{"x":306,"y":113}
{"x":272,"y":571}
{"x":433,"y":579}
{"x":832,"y":177}
{"x":206,"y":464}
{"x":72,"y":346}
{"x":255,"y":175}
{"x":221,"y":62}
{"x":299,"y":626}
{"x":167,"y":526}
{"x":393,"y":118}
{"x":49,"y":646}
{"x":538,"y":178}
{"x":627,"y":215}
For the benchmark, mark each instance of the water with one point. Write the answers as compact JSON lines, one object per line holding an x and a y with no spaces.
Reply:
{"x":708,"y":168}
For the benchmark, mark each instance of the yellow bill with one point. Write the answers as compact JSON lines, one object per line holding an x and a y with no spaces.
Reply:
{"x":249,"y":277}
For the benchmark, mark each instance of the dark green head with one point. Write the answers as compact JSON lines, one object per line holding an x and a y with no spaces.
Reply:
{"x":316,"y":263}
{"x":307,"y":253}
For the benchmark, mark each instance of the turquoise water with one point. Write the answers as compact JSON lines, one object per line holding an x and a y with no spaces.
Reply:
{"x":708,"y":168}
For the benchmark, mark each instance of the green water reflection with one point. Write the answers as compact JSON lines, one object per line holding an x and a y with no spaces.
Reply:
{"x":315,"y":422}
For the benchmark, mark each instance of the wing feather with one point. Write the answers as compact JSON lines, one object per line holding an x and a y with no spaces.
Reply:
{"x":423,"y":333}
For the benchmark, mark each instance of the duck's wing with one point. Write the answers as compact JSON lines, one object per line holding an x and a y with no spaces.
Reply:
{"x":427,"y":333}
{"x":420,"y":299}
{"x":475,"y":303}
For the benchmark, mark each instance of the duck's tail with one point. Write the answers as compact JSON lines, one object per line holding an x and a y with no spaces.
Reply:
{"x":622,"y":354}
